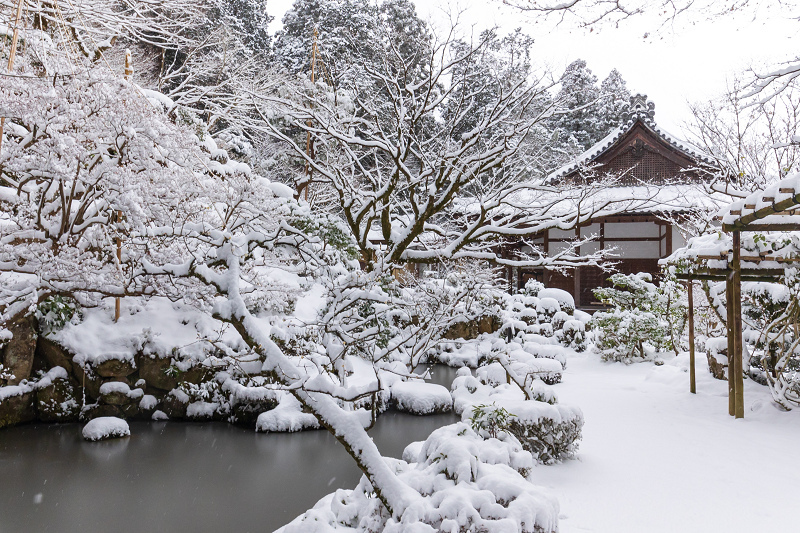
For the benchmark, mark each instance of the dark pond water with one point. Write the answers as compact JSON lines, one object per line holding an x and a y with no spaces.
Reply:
{"x":179,"y":476}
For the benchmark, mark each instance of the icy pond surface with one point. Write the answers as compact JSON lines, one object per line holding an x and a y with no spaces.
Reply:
{"x":181,"y":476}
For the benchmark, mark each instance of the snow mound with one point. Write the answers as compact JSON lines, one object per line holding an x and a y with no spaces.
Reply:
{"x":148,"y":402}
{"x":466,"y":483}
{"x":106,"y":427}
{"x":559,"y":295}
{"x":421,"y":398}
{"x":287,"y":417}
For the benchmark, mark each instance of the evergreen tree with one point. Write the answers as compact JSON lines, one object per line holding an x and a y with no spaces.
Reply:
{"x":578,"y":97}
{"x":614,"y":100}
{"x":491,"y":68}
{"x":248,"y":21}
{"x":404,"y":31}
{"x":346,"y":34}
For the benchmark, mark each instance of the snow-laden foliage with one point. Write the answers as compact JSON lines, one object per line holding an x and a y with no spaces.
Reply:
{"x":640,"y":321}
{"x":467,"y":484}
{"x":536,"y":312}
{"x":88,"y":162}
{"x":412,"y":191}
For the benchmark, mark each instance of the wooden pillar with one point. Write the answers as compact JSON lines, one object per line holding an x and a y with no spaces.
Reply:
{"x":669,"y":240}
{"x":692,"y":383}
{"x":576,"y":287}
{"x":545,"y":272}
{"x":731,"y":343}
{"x":737,"y":326}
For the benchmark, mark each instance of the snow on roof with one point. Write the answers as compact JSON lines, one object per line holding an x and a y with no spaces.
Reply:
{"x":642,"y":111}
{"x":774,"y":199}
{"x":630,"y":200}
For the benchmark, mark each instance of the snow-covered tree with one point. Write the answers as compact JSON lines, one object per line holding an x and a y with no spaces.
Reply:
{"x":490,"y":66}
{"x":344,"y":32}
{"x":751,"y":142}
{"x":85,"y":161}
{"x":578,"y":98}
{"x":614,"y":100}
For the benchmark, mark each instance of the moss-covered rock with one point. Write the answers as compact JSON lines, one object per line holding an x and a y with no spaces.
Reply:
{"x":114,"y":367}
{"x":53,"y":354}
{"x":175,"y":403}
{"x":96,"y":410}
{"x":156,"y":371}
{"x":17,"y":405}
{"x":18,"y":353}
{"x":57,"y":397}
{"x":88,"y":380}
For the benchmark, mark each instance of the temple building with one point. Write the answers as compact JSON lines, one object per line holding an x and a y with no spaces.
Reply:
{"x":639,"y":160}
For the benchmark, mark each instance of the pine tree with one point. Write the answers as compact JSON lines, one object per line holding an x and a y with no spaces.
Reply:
{"x":614,"y":99}
{"x":248,"y":21}
{"x":346,"y":33}
{"x":578,"y":96}
{"x":493,"y":67}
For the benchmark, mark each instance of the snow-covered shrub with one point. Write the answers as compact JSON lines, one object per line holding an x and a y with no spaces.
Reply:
{"x":548,"y":437}
{"x":545,"y":313}
{"x":55,"y":311}
{"x":636,"y":327}
{"x":489,"y":419}
{"x":545,"y":428}
{"x":466,"y":484}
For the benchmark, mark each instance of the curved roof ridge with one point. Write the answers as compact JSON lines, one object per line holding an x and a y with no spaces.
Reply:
{"x":640,"y":109}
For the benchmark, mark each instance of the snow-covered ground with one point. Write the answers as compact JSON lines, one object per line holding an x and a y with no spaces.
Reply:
{"x":655,"y":458}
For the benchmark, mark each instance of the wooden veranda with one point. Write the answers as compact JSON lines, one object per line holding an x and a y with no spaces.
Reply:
{"x":776,"y":208}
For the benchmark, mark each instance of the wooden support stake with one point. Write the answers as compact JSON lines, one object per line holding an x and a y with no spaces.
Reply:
{"x":736,"y":265}
{"x":692,"y":383}
{"x":731,"y":347}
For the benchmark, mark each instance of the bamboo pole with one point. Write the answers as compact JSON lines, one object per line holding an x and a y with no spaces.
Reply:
{"x":737,"y":326}
{"x":692,"y":383}
{"x":11,"y":55}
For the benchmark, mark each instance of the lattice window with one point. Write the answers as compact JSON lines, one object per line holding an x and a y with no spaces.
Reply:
{"x":650,"y":167}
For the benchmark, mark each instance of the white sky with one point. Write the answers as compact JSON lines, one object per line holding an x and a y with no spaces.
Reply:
{"x":688,"y":62}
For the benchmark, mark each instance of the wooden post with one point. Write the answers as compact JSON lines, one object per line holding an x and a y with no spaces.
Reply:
{"x":11,"y":55}
{"x":731,"y":347}
{"x":692,"y":384}
{"x":545,"y":272}
{"x":737,"y":327}
{"x":576,"y":285}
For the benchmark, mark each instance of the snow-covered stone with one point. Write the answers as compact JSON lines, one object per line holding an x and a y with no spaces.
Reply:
{"x":105,"y":427}
{"x":287,"y":417}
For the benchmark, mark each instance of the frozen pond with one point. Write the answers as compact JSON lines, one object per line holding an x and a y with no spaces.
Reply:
{"x":180,"y":476}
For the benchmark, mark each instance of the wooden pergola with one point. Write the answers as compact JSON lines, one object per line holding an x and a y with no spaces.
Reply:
{"x":776,"y":208}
